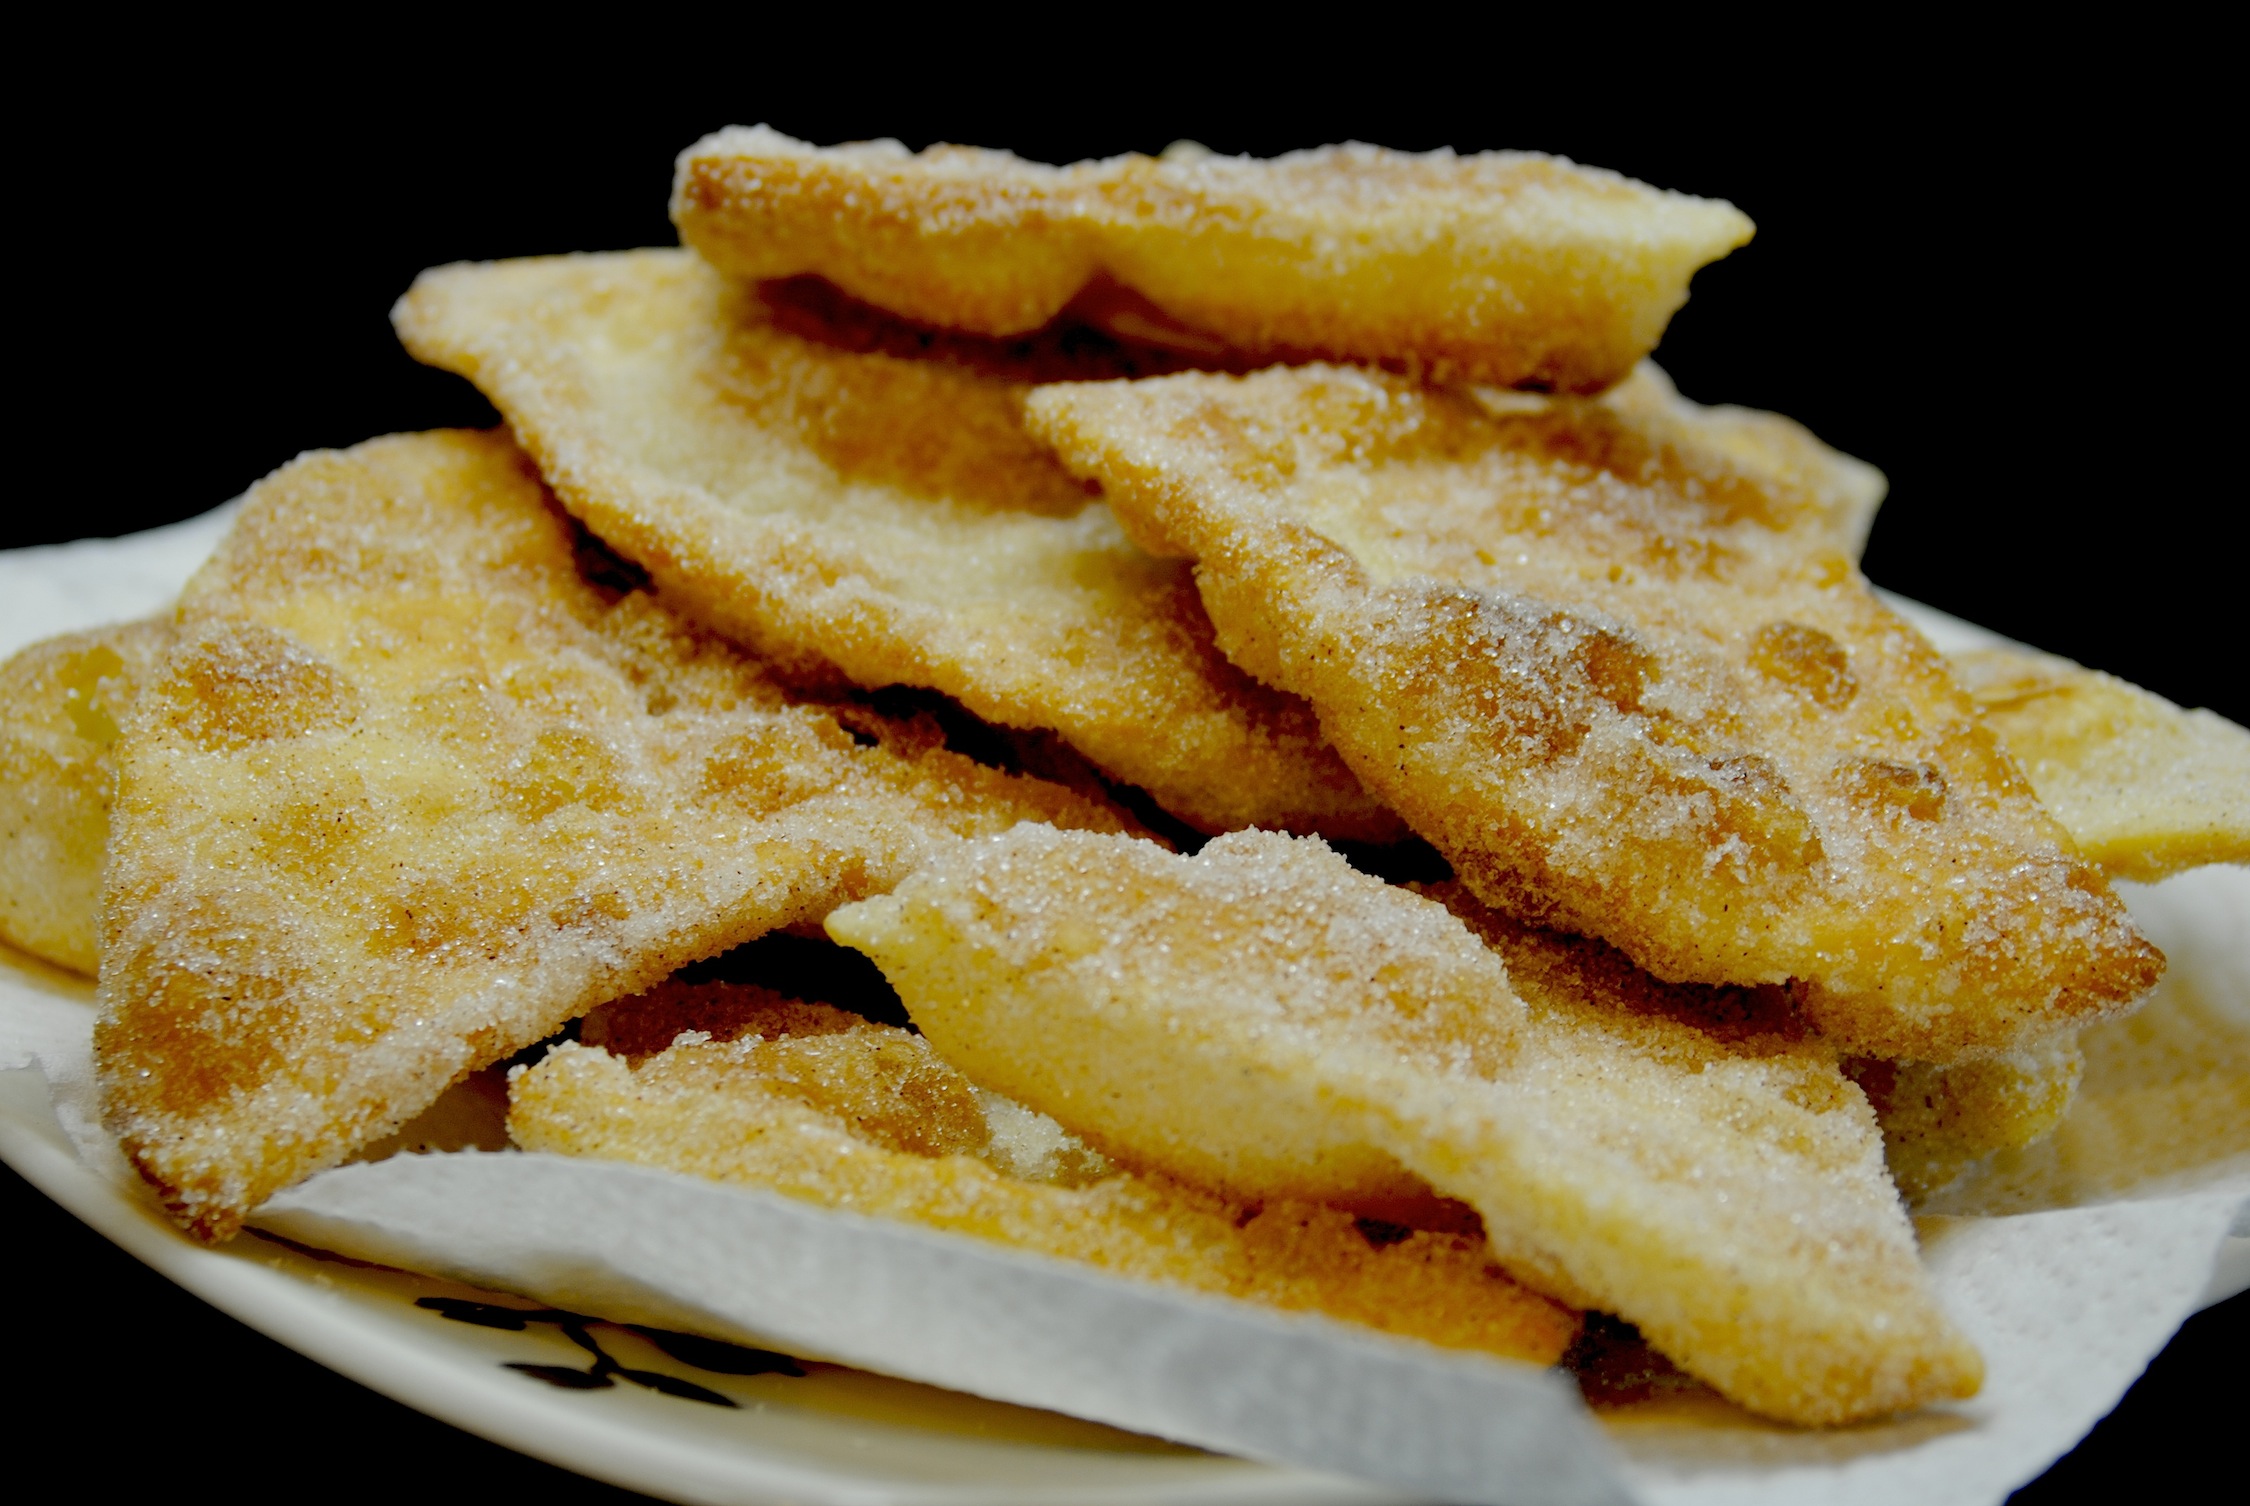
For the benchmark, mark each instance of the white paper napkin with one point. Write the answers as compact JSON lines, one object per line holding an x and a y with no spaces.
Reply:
{"x":2070,"y":1265}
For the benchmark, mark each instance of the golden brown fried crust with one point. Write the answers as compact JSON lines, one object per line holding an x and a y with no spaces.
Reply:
{"x":1938,"y":1122}
{"x":1615,"y":679}
{"x":1830,"y":498}
{"x":1504,"y":267}
{"x":60,"y":705}
{"x":886,"y":517}
{"x":646,"y":1023}
{"x":1262,"y":1016}
{"x":408,"y":792}
{"x":866,"y":1117}
{"x":2147,"y":789}
{"x":2165,"y":1094}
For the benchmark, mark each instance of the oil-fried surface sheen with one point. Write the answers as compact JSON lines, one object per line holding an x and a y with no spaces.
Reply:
{"x":1623,"y":685}
{"x":60,"y":705}
{"x":1264,"y":1016}
{"x":409,"y":792}
{"x":819,"y":1105}
{"x":2148,"y":789}
{"x":1505,"y":267}
{"x":886,"y":517}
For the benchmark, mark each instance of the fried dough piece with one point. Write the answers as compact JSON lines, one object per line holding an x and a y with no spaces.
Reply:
{"x":408,"y":792}
{"x":2166,"y":1093}
{"x":884,"y":516}
{"x":1264,"y":1017}
{"x":1938,"y":1122}
{"x":645,"y":1023}
{"x":1834,"y":496}
{"x":848,"y":1114}
{"x":1615,"y":679}
{"x":1505,"y":267}
{"x":2147,"y":789}
{"x":60,"y":704}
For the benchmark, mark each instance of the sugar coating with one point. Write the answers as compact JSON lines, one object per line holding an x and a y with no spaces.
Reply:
{"x":60,"y":704}
{"x":1506,"y":267}
{"x":408,"y":792}
{"x":886,"y":518}
{"x":848,"y":1114}
{"x":1830,"y":498}
{"x":1261,"y":1017}
{"x":1627,"y":685}
{"x":2147,"y":789}
{"x":1333,"y":961}
{"x":1940,"y":1122}
{"x":2164,"y":1096}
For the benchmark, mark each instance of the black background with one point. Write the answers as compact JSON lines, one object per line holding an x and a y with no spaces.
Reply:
{"x":1994,"y":271}
{"x":2006,"y":292}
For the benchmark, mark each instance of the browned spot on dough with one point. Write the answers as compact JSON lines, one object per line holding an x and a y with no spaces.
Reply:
{"x":243,"y":683}
{"x":1918,"y":789}
{"x":1806,"y":660}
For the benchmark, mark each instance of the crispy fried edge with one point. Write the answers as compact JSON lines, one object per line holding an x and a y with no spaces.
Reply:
{"x":1563,"y":280}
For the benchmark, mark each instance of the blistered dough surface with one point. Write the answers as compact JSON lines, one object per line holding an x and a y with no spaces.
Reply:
{"x":408,"y":791}
{"x":1505,"y":267}
{"x":887,"y":518}
{"x":1629,"y":686}
{"x":819,"y":1106}
{"x":1691,"y":1159}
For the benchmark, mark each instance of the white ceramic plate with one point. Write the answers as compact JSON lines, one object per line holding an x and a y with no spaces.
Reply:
{"x":826,"y":1434}
{"x":829,"y":1434}
{"x":676,"y":1420}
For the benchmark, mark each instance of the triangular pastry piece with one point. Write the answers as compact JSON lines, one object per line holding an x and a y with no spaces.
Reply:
{"x":885,"y":517}
{"x":816,"y":1104}
{"x":409,"y":791}
{"x":1506,"y":267}
{"x":1263,"y":1019}
{"x":1628,"y":687}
